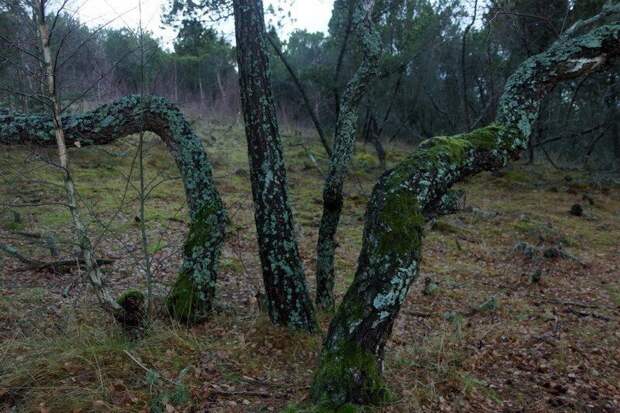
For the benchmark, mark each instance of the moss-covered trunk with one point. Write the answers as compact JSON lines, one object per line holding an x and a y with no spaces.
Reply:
{"x":192,"y":295}
{"x":344,"y":143}
{"x":351,"y":362}
{"x":288,"y":300}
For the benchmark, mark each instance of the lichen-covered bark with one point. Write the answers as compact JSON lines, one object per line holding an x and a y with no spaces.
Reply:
{"x":449,"y":203}
{"x":288,"y":300}
{"x":192,"y":296}
{"x":352,"y":356}
{"x":344,"y":143}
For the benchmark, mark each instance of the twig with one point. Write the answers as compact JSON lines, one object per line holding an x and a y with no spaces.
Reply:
{"x":419,"y":314}
{"x":57,"y":266}
{"x":575,"y":304}
{"x":265,"y":395}
{"x":140,"y":364}
{"x":60,"y":266}
{"x":584,"y":314}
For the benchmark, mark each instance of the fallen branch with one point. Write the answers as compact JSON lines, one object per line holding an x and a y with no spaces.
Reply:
{"x":576,"y":304}
{"x":266,"y":395}
{"x":57,"y":266}
{"x":584,"y":314}
{"x":12,"y":252}
{"x":65,"y":265}
{"x":146,"y":369}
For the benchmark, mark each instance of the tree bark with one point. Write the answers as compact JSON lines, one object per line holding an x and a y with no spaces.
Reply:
{"x":375,"y":138}
{"x":351,"y":362}
{"x":344,"y":144}
{"x":288,"y":300}
{"x":93,"y":273}
{"x":339,"y":7}
{"x":192,"y":296}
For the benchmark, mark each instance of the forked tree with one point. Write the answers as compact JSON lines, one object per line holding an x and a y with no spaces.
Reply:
{"x":351,"y":361}
{"x":344,"y":143}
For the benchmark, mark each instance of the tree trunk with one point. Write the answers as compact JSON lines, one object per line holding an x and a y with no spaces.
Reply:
{"x":93,"y":273}
{"x":192,"y":295}
{"x":344,"y":144}
{"x":466,"y":114}
{"x":340,"y":7}
{"x":375,"y":138}
{"x":176,"y":83}
{"x":351,"y":362}
{"x":288,"y":300}
{"x":614,"y":118}
{"x":202,"y":92}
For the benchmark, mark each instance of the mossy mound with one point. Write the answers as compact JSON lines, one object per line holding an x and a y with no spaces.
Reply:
{"x":132,"y":315}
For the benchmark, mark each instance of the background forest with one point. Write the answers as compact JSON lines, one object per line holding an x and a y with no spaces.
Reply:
{"x":442,"y":71}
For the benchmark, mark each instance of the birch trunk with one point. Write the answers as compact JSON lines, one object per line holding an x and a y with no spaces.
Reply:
{"x":93,"y":273}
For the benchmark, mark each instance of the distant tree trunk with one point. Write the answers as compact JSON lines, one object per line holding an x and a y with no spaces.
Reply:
{"x":288,"y":300}
{"x":615,"y":130}
{"x":304,"y":96}
{"x":372,"y":134}
{"x":466,"y":113}
{"x":192,"y":296}
{"x":344,"y":143}
{"x":176,"y":83}
{"x":614,"y":118}
{"x":351,"y":362}
{"x":220,"y":86}
{"x":388,"y":111}
{"x":202,"y":92}
{"x":375,"y":138}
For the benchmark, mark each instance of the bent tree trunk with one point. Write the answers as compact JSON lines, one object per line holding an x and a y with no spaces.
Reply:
{"x":351,"y":363}
{"x":192,"y":296}
{"x":288,"y":300}
{"x":344,"y":143}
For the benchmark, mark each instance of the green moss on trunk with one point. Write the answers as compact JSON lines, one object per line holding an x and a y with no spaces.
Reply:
{"x":185,"y":302}
{"x":348,"y":374}
{"x":391,"y":251}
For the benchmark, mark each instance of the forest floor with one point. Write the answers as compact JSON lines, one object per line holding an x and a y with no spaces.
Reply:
{"x":527,"y":329}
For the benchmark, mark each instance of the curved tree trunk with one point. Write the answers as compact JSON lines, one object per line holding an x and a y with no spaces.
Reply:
{"x":351,"y":362}
{"x":344,"y":143}
{"x":288,"y":300}
{"x":192,"y":295}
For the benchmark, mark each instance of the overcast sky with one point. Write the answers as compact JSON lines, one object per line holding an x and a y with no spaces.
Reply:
{"x":312,"y":15}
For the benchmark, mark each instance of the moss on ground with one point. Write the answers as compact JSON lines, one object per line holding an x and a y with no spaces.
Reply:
{"x":53,"y":332}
